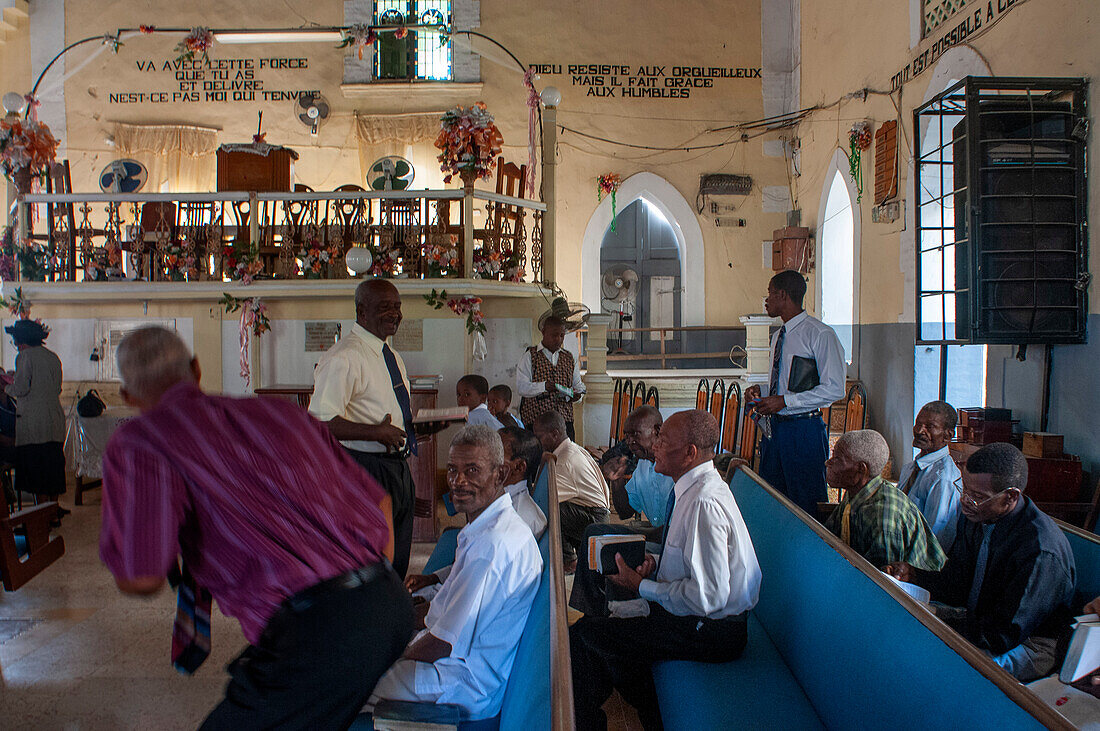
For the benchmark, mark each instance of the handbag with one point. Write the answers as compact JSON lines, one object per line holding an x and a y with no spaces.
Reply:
{"x":90,"y":405}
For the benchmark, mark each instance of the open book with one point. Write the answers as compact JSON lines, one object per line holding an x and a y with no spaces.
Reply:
{"x":453,"y":413}
{"x":1083,"y":655}
{"x":602,"y":550}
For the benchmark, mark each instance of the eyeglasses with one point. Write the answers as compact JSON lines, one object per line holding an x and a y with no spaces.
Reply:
{"x":964,"y":495}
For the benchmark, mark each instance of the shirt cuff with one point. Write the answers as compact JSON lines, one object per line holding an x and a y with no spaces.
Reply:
{"x":792,"y":400}
{"x":648,"y":590}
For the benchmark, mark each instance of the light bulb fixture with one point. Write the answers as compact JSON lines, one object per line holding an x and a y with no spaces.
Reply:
{"x":278,"y":35}
{"x":551,"y":97}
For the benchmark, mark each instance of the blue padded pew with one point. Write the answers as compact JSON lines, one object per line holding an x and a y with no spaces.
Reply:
{"x":833,"y":644}
{"x":526,"y":704}
{"x":1086,"y":559}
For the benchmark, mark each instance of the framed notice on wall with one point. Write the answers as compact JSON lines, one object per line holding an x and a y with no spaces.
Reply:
{"x":409,"y":337}
{"x":322,"y":335}
{"x":109,"y":333}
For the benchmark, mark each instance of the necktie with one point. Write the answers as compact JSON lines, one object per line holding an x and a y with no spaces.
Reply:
{"x":191,"y":630}
{"x":669,"y":507}
{"x":912,"y":479}
{"x":979,"y":569}
{"x":402,"y":394}
{"x":777,"y":361}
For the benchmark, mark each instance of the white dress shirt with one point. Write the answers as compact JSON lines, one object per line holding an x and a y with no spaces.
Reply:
{"x":580,"y":480}
{"x":527,"y":508}
{"x":708,"y":566}
{"x":524,"y":369}
{"x":809,"y":337}
{"x":480,"y":611}
{"x":352,"y":381}
{"x":934,"y":492}
{"x":480,"y":414}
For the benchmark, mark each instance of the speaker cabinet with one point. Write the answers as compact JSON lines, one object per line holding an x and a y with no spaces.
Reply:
{"x":1020,"y":248}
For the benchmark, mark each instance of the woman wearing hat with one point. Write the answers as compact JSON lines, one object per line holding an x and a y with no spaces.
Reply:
{"x":40,"y":422}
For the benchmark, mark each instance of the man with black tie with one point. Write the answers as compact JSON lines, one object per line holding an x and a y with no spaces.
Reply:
{"x":361,"y":391}
{"x":807,"y":375}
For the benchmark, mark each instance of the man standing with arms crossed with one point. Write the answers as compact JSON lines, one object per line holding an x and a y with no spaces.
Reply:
{"x":362,"y":392}
{"x":807,"y":375}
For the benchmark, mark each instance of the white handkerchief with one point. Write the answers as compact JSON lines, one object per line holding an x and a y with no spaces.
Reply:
{"x":630,"y":608}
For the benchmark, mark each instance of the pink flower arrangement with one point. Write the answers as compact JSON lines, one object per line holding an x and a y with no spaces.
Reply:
{"x":469,"y":142}
{"x":443,"y":260}
{"x":608,"y":184}
{"x":468,"y":306}
{"x":314,"y":257}
{"x":503,"y":265}
{"x":198,"y":41}
{"x":361,"y":36}
{"x":26,"y":144}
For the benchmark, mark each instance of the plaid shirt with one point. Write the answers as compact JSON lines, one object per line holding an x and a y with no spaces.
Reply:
{"x":885,"y":527}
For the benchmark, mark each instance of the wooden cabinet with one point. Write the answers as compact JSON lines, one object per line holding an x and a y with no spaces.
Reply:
{"x":423,"y":468}
{"x":262,"y":168}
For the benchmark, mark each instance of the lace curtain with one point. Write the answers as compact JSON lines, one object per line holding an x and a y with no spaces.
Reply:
{"x":408,"y":135}
{"x":180,"y":158}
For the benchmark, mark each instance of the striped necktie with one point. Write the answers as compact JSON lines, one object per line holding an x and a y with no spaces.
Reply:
{"x":669,"y":507}
{"x":191,"y":629}
{"x":402,"y":394}
{"x":777,"y":361}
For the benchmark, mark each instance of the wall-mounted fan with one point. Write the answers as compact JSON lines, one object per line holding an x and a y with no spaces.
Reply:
{"x":312,"y":111}
{"x":575,"y":314}
{"x":123,"y":176}
{"x":391,"y":173}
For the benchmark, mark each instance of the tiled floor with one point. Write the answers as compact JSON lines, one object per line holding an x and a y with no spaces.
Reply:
{"x":92,"y":658}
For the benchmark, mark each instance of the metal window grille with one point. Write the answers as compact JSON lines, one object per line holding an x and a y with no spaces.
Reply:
{"x":935,"y":12}
{"x":422,"y":55}
{"x":1000,"y":214}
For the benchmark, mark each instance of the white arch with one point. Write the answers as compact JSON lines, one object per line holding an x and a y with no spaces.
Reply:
{"x":689,"y":241}
{"x":839,"y":164}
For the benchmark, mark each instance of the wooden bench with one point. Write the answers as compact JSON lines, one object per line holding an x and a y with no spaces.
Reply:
{"x":26,"y":547}
{"x":833,"y":643}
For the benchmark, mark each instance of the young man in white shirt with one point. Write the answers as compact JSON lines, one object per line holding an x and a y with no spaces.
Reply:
{"x":472,"y":628}
{"x":543,"y":371}
{"x":472,"y":391}
{"x":698,"y":594}
{"x":929,"y":480}
{"x":807,"y":375}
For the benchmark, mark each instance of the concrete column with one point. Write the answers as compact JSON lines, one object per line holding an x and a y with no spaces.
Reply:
{"x":551,"y":97}
{"x":758,"y":346}
{"x":596,"y":416}
{"x":468,"y":227}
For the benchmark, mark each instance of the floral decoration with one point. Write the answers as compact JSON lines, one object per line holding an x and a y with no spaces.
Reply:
{"x":199,"y":41}
{"x":34,"y":261}
{"x":359,"y":35}
{"x":254,"y":323}
{"x":240,"y":263}
{"x":401,"y":32}
{"x":7,"y":254}
{"x":26,"y":145}
{"x":471,"y":308}
{"x":180,"y":261}
{"x":17,"y":304}
{"x":114,"y":42}
{"x":443,"y":260}
{"x":469,"y":143}
{"x":608,"y":184}
{"x":859,"y":139}
{"x":147,"y":29}
{"x":314,"y":257}
{"x":386,"y":262}
{"x":503,"y":265}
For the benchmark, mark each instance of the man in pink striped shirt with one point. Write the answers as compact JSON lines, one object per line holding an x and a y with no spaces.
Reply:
{"x":270,"y":515}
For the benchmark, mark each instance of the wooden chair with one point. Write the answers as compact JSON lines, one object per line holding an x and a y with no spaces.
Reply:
{"x":639,"y":395}
{"x":702,"y":393}
{"x":159,"y":228}
{"x":652,"y":397}
{"x":616,"y":415}
{"x":715,"y":403}
{"x":746,"y":448}
{"x":731,"y":413}
{"x":40,"y":550}
{"x":626,"y":395}
{"x":855,"y":413}
{"x":504,"y":224}
{"x":60,"y":181}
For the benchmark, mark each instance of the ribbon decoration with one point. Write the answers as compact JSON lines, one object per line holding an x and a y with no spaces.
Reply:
{"x":533,"y":101}
{"x":254,"y":321}
{"x":245,"y":336}
{"x":32,"y":105}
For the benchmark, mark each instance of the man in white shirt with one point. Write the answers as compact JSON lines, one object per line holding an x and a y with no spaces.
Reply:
{"x":522,"y":457}
{"x":542,"y":373}
{"x":362,"y":392}
{"x":699,"y":592}
{"x":472,"y":627}
{"x":807,"y":375}
{"x":583,"y":496}
{"x":929,"y":480}
{"x":472,"y":391}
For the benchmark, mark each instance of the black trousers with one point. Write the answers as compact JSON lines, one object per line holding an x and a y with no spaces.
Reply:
{"x":574,"y":520}
{"x":590,"y":593}
{"x":618,"y":654}
{"x":393,"y":473}
{"x":40,"y":469}
{"x":318,"y":659}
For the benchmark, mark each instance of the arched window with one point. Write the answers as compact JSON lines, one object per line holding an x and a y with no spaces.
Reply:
{"x":838,"y":261}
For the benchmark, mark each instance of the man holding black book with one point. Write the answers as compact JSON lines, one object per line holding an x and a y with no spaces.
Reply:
{"x":698,"y":594}
{"x":807,"y":375}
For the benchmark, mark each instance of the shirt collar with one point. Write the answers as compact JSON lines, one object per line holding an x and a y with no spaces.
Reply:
{"x":371,"y":340}
{"x":562,"y":447}
{"x":933,"y":457}
{"x":796,"y":321}
{"x":482,"y":521}
{"x":691,"y":476}
{"x":867,"y":493}
{"x":551,"y":353}
{"x":180,"y":391}
{"x":516,"y":487}
{"x":479,"y":406}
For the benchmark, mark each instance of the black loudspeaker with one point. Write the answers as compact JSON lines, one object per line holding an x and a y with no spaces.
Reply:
{"x":1020,"y":256}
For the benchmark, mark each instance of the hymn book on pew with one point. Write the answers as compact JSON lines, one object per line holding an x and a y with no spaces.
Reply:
{"x":602,"y":550}
{"x":452,"y":413}
{"x":1083,"y":655}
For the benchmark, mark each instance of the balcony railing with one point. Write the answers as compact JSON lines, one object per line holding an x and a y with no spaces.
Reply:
{"x":228,"y":236}
{"x":693,"y":346}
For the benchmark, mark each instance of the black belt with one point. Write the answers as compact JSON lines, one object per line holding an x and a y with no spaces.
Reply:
{"x":349,"y":580}
{"x":803,"y":415}
{"x":401,"y":454}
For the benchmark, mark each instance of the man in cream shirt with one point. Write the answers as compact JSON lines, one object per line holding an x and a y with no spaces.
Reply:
{"x":699,"y":592}
{"x":362,"y":392}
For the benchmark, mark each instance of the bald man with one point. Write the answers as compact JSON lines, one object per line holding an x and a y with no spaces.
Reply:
{"x":698,"y":596}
